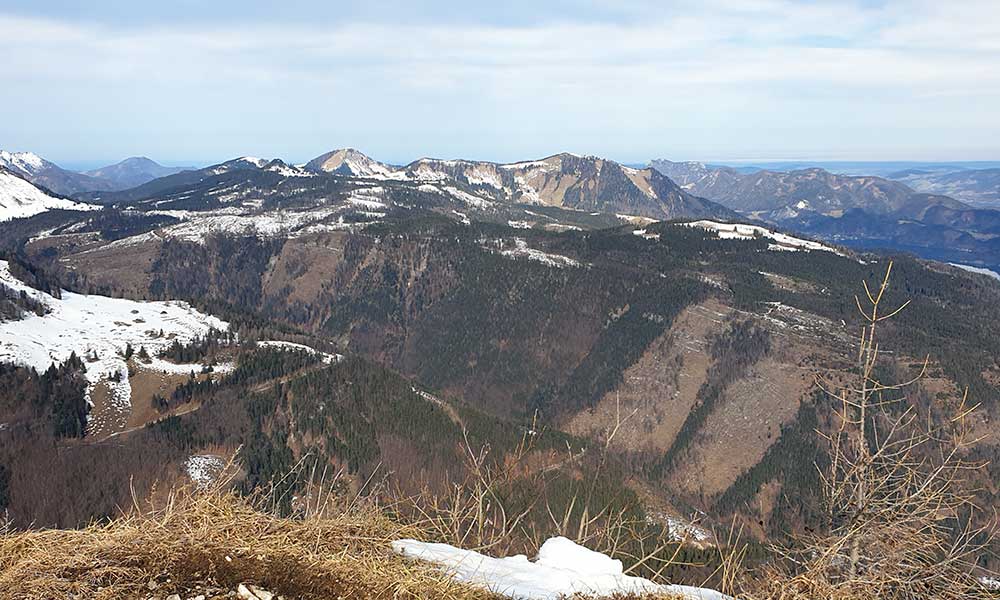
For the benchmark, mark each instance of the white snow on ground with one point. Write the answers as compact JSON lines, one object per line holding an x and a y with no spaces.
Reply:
{"x":646,"y":235}
{"x":685,"y":531}
{"x":326,"y":357}
{"x":204,"y":469}
{"x":97,"y":329}
{"x":289,"y":171}
{"x":562,"y":569}
{"x":366,"y":201}
{"x":165,"y":366}
{"x":19,"y":198}
{"x":522,"y":250}
{"x":469,"y":199}
{"x":741,"y":231}
{"x":457,"y":194}
{"x":990,"y":583}
{"x":264,"y":224}
{"x":980,"y":270}
{"x":463,"y":217}
{"x":632,"y":219}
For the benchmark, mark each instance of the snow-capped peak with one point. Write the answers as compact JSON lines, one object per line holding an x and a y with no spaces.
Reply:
{"x":348,"y":161}
{"x":25,"y":163}
{"x":253,"y":160}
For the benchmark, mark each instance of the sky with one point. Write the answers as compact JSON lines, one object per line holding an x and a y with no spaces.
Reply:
{"x":188,"y":82}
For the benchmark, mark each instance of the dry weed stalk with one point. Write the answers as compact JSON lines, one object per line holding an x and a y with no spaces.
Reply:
{"x":896,"y":492}
{"x":480,"y":511}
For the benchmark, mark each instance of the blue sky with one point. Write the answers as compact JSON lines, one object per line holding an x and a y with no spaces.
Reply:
{"x":632,"y":80}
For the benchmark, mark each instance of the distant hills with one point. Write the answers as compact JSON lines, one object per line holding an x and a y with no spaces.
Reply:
{"x":979,"y":187}
{"x":862,"y":211}
{"x":125,"y":174}
{"x":919,"y":209}
{"x":132,"y":172}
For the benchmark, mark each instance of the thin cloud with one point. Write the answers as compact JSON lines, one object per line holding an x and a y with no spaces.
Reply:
{"x":650,"y":77}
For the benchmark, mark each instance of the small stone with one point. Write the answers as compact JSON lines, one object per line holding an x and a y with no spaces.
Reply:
{"x":152,"y":585}
{"x":174,"y":597}
{"x":244,"y":592}
{"x":261,"y":593}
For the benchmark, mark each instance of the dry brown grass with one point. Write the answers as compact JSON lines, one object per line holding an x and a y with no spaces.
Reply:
{"x":216,"y":540}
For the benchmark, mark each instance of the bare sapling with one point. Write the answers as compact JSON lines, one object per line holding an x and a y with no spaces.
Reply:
{"x":901,"y":508}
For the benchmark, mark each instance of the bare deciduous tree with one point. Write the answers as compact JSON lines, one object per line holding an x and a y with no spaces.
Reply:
{"x":897,"y":493}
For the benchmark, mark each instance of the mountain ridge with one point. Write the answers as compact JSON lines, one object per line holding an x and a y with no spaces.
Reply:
{"x":563,"y":179}
{"x":862,"y":211}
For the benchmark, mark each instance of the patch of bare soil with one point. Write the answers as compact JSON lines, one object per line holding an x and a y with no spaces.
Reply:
{"x":104,"y":418}
{"x":744,"y":424}
{"x":660,"y":387}
{"x":145,"y":385}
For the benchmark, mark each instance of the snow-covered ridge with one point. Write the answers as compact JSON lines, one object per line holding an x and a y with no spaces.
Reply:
{"x":98,"y":329}
{"x":561,"y":570}
{"x":19,"y":198}
{"x":26,"y":163}
{"x":742,"y":231}
{"x":979,"y":270}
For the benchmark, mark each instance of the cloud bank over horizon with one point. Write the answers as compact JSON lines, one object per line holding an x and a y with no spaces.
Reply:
{"x":722,"y":79}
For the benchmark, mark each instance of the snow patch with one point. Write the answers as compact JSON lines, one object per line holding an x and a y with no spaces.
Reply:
{"x":326,"y":357}
{"x":742,"y":231}
{"x":204,"y":469}
{"x":522,"y":250}
{"x":562,"y":569}
{"x":979,"y":270}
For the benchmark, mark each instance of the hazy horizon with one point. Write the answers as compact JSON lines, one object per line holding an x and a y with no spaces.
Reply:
{"x":845,"y":165}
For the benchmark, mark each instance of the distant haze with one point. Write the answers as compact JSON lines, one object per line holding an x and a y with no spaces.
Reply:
{"x":194,"y":83}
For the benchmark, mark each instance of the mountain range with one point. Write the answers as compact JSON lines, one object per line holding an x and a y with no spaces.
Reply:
{"x":863,"y":211}
{"x":566,"y":180}
{"x":979,"y":187}
{"x":125,"y":174}
{"x":855,"y":210}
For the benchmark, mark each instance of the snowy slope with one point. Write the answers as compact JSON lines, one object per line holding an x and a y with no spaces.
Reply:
{"x":741,"y":231}
{"x":979,"y":270}
{"x":23,"y":163}
{"x":561,"y":570}
{"x":18,"y":199}
{"x":97,"y":329}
